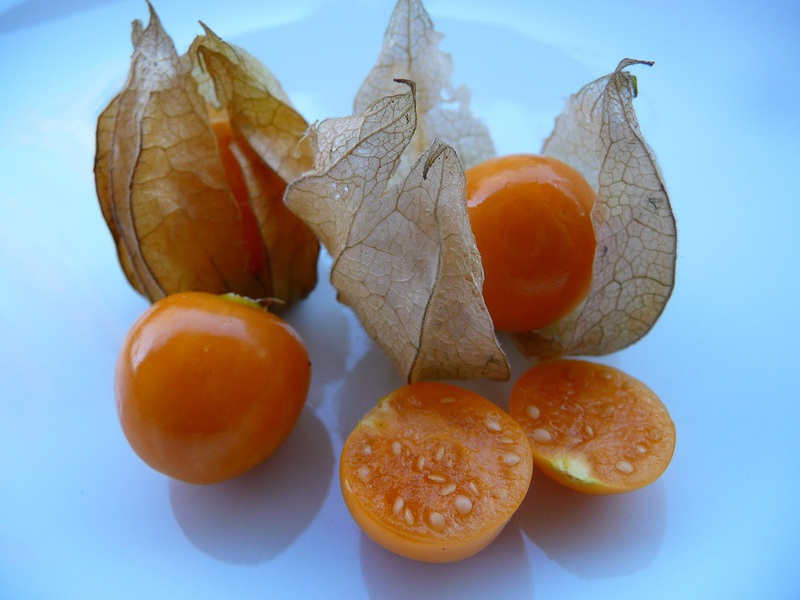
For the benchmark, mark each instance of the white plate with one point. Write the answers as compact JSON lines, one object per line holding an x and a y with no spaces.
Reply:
{"x":82,"y":517}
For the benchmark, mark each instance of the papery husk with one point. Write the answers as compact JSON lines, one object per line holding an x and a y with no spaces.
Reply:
{"x":633,"y":274}
{"x":165,"y":193}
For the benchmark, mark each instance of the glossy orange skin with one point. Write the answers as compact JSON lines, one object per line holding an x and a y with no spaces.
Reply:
{"x":531,"y":216}
{"x":208,"y":387}
{"x":434,"y":472}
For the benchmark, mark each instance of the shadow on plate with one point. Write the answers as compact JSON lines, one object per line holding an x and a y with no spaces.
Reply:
{"x":502,"y":569}
{"x":594,"y":537}
{"x":256,"y":516}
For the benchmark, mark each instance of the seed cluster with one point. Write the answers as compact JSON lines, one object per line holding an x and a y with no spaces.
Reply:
{"x":459,"y":497}
{"x":543,"y":435}
{"x":432,"y":472}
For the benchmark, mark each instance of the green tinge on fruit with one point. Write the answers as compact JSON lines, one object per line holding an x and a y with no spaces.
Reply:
{"x":573,"y":468}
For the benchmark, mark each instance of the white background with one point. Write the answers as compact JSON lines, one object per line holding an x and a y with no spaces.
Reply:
{"x":81,"y":517}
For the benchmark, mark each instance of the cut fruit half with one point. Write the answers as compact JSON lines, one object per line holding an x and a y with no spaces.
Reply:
{"x":592,"y":427}
{"x":435,"y":471}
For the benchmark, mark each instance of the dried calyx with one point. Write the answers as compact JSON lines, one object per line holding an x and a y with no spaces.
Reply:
{"x":404,"y":257}
{"x":209,"y":180}
{"x":634,"y":267}
{"x":193,"y":157}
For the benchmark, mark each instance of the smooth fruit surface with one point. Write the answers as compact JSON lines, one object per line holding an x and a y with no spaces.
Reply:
{"x":207,"y":387}
{"x":531,"y":216}
{"x":435,"y":471}
{"x":592,"y":427}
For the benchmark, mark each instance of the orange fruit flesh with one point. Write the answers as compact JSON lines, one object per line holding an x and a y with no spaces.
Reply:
{"x":281,"y":249}
{"x":531,"y":217}
{"x":434,"y":472}
{"x":592,"y":427}
{"x":251,"y":233}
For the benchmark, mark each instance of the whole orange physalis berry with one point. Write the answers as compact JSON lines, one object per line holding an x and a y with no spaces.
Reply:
{"x":531,"y":216}
{"x":209,"y":386}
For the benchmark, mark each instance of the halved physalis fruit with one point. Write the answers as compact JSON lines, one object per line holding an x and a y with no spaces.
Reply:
{"x":592,"y":427}
{"x":435,"y":471}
